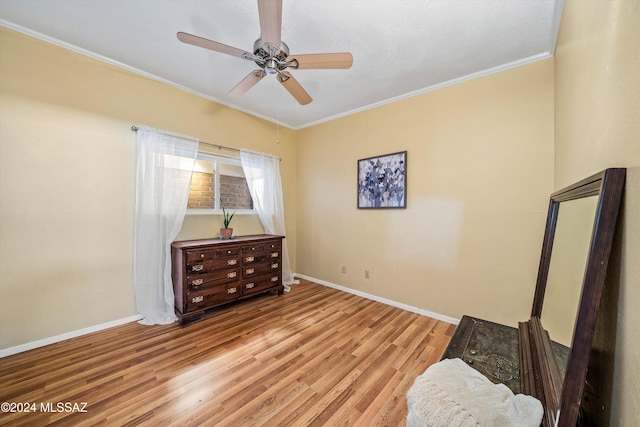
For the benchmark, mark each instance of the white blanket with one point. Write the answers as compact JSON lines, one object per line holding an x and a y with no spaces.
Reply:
{"x":451,"y":393}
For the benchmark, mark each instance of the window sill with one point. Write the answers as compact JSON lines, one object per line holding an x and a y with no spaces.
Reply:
{"x":219,"y":212}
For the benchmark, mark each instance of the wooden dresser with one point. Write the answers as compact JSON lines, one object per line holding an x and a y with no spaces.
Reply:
{"x":210,"y":272}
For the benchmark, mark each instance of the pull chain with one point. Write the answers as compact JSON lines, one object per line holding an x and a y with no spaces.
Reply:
{"x":278,"y":124}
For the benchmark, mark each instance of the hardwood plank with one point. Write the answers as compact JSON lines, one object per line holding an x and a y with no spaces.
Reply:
{"x":315,"y":356}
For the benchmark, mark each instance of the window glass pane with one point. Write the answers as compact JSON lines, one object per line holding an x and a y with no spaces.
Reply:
{"x":233,"y":187}
{"x":202,"y":194}
{"x":215,"y":178}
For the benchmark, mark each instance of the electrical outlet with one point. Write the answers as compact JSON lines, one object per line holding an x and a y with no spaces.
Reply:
{"x":366,"y":274}
{"x":343,"y":268}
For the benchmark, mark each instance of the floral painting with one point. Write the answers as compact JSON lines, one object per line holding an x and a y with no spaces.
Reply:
{"x":382,"y":181}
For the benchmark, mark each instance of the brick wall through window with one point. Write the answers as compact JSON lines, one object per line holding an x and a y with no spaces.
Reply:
{"x":233,"y":190}
{"x":201,"y":194}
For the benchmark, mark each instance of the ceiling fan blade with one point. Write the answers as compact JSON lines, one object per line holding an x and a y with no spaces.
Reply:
{"x":247,"y":83}
{"x":270,"y":12}
{"x":294,"y":88}
{"x":313,"y":61}
{"x":210,"y":44}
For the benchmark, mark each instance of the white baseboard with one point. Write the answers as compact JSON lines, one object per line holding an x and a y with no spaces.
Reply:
{"x":73,"y":334}
{"x":412,"y":309}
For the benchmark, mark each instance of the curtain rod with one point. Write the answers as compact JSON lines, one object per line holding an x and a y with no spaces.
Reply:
{"x":220,"y":147}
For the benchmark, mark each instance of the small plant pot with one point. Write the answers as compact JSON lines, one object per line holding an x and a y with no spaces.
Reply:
{"x":226,"y":233}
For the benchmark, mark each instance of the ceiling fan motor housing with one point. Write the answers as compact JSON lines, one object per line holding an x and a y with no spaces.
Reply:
{"x":271,"y":58}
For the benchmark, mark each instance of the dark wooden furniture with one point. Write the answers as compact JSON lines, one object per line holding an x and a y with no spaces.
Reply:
{"x":528,"y":359}
{"x":210,"y":272}
{"x":493,"y":349}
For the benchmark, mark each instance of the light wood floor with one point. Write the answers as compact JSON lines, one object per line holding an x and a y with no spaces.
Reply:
{"x":313,"y":357}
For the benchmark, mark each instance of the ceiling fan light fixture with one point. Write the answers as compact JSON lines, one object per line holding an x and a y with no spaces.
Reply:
{"x":282,"y":77}
{"x":271,"y":66}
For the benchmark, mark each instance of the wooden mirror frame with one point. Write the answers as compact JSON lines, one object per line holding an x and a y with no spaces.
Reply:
{"x":539,"y":372}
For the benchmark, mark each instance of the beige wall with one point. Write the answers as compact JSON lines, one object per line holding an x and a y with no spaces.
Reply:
{"x":598,"y":126}
{"x":480,"y":171}
{"x":66,"y":255}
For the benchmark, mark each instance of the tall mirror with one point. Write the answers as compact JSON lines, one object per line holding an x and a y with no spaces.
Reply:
{"x":555,"y":343}
{"x":574,"y":228}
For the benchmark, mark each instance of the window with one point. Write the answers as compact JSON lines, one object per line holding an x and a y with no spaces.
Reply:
{"x":215,"y":178}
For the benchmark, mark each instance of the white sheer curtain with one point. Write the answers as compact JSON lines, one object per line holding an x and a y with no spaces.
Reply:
{"x":263,"y":178}
{"x":164,"y":166}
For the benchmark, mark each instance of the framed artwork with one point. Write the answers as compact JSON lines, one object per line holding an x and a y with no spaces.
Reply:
{"x":382,"y":181}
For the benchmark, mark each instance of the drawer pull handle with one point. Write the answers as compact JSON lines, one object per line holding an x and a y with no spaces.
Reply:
{"x":196,"y":300}
{"x":232,"y":262}
{"x":229,"y":251}
{"x":253,"y":248}
{"x":201,"y":255}
{"x":232,"y":290}
{"x":249,"y":285}
{"x":274,"y":279}
{"x":231,"y":275}
{"x":249,"y":259}
{"x":274,"y":265}
{"x":274,"y":254}
{"x":249,"y":271}
{"x":197,"y":282}
{"x":198,"y":267}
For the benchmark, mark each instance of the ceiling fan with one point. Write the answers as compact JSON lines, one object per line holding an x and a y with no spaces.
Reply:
{"x":272,"y":54}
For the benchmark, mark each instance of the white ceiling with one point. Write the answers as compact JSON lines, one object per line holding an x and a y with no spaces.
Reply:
{"x":400,"y":47}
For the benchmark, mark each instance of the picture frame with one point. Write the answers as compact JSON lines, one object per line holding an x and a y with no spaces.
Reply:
{"x":382,"y":181}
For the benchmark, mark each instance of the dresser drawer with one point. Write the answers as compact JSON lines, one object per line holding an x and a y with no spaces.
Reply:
{"x":249,"y":260}
{"x":255,"y":248}
{"x":201,"y":255}
{"x":260,"y":284}
{"x":230,"y":252}
{"x":197,"y":281}
{"x":274,"y":253}
{"x":213,"y":296}
{"x":273,"y":246}
{"x":260,"y":268}
{"x":206,"y":266}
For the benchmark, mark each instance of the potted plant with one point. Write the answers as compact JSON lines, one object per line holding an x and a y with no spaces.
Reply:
{"x":226,"y":232}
